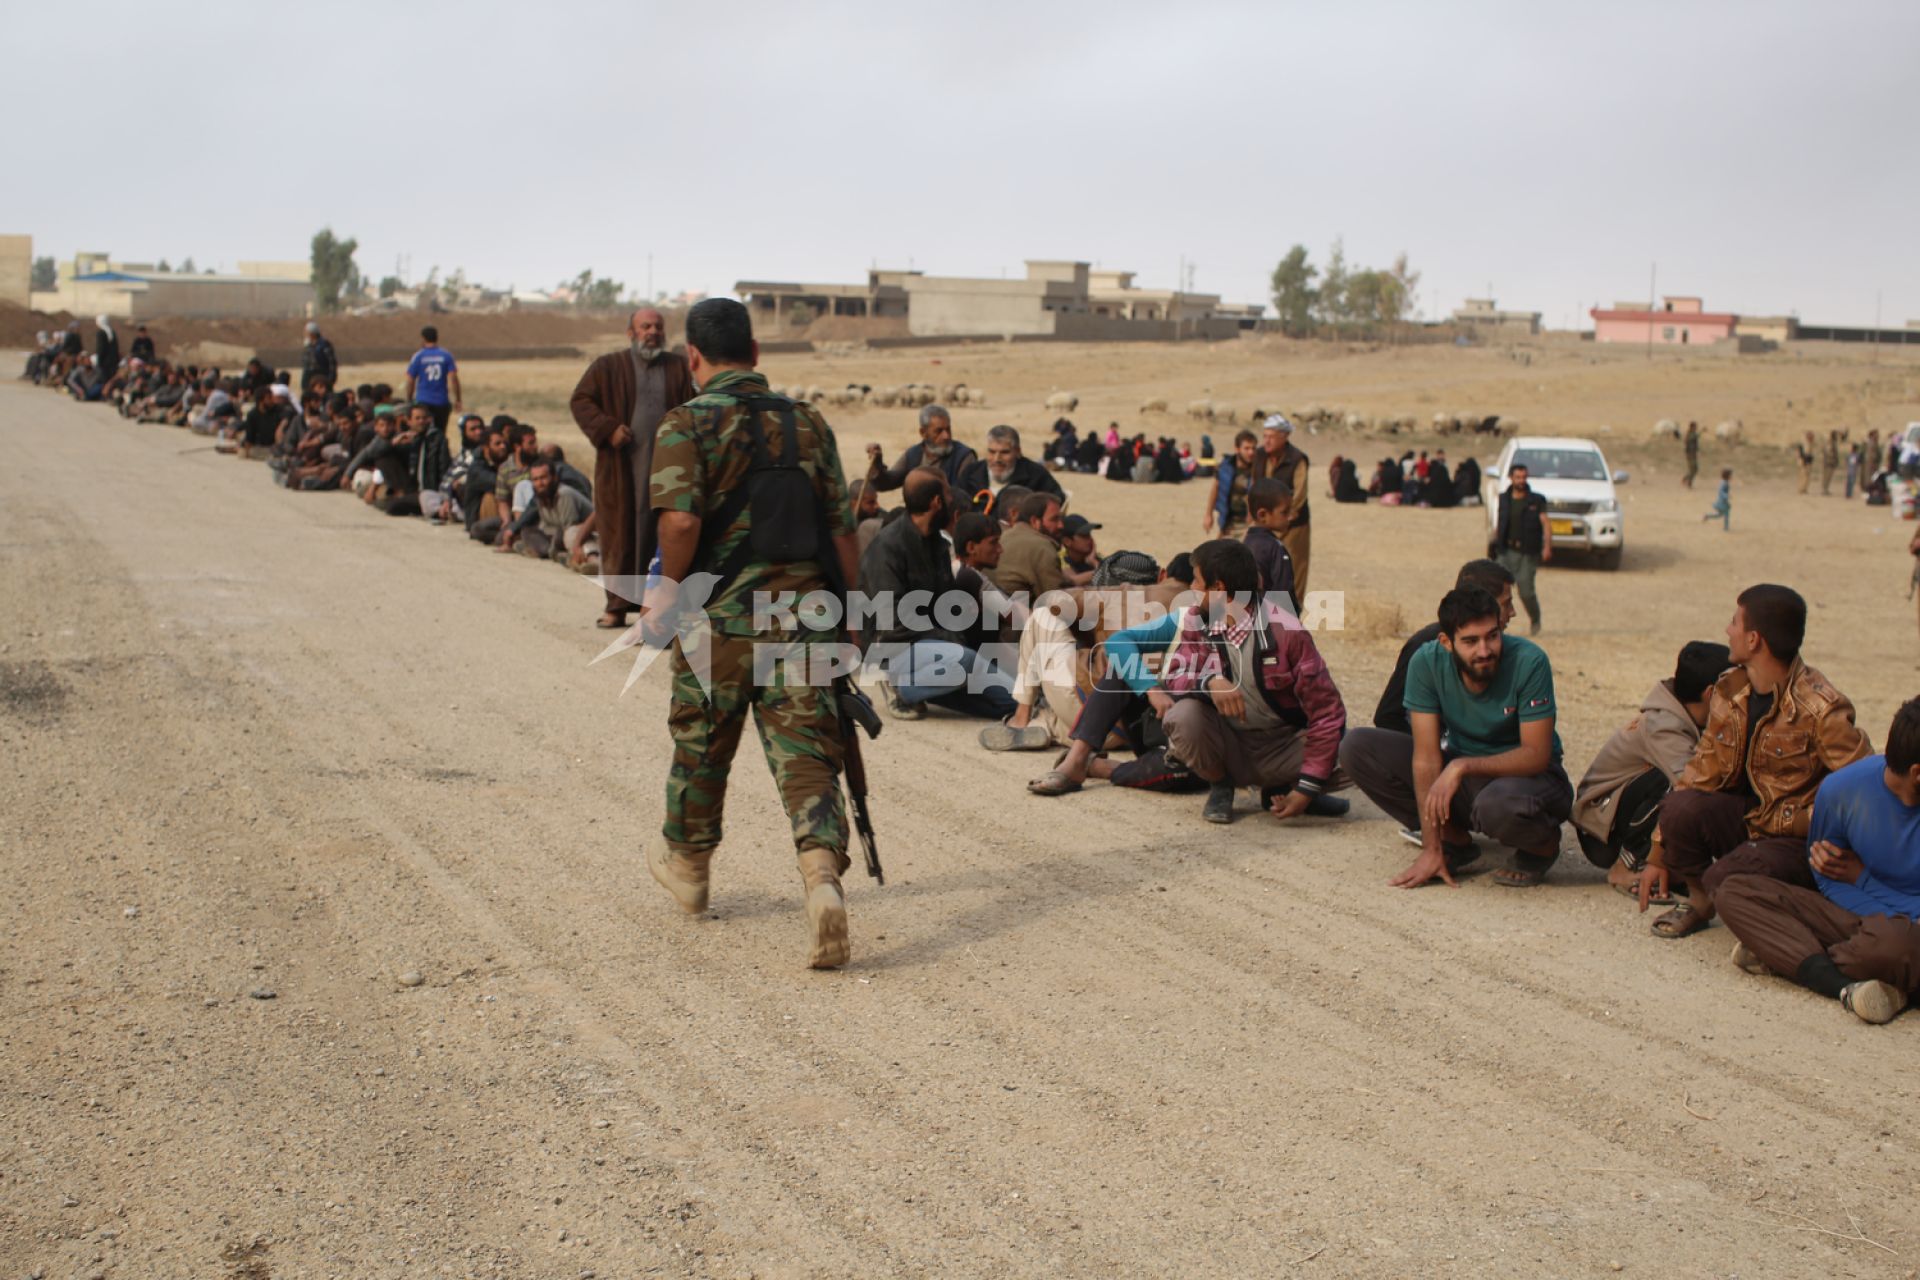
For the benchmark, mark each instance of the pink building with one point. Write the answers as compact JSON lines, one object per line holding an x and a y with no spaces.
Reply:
{"x":1677,"y":321}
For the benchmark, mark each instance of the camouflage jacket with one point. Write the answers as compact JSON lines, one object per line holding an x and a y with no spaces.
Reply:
{"x":700,"y":455}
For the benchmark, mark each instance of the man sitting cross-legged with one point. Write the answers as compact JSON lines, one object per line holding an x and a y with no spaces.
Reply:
{"x":1617,"y":802}
{"x":1243,"y":696}
{"x":1858,"y":938}
{"x":907,"y":574}
{"x":1484,"y":755}
{"x":1775,"y":730}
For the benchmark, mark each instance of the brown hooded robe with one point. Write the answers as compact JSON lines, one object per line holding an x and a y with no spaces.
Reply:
{"x":607,"y":399}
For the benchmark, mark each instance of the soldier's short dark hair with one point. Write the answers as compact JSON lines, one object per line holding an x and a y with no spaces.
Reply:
{"x":430,"y":333}
{"x":1701,"y":662}
{"x":721,"y":330}
{"x":1903,"y":738}
{"x":1779,"y":615}
{"x":1180,"y":568}
{"x":1227,"y":563}
{"x":973,"y":528}
{"x":1034,"y":507}
{"x":1466,"y":604}
{"x":1488,"y":575}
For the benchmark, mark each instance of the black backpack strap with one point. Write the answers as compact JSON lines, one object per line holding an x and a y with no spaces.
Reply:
{"x":717,"y":524}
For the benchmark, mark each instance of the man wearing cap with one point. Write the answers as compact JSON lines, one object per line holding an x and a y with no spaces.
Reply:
{"x":618,"y":405}
{"x":1280,"y":459}
{"x":1078,"y":559}
{"x":317,"y":360}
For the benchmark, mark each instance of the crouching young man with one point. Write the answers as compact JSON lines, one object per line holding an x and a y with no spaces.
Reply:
{"x":1856,"y":940}
{"x":1497,"y":771}
{"x":1243,"y":696}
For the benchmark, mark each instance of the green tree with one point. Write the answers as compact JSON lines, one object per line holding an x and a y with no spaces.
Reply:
{"x":594,"y":293}
{"x":1409,"y":281}
{"x":1294,"y":296}
{"x":162,"y":266}
{"x":1331,"y":304}
{"x":334,"y":272}
{"x":389,"y":285}
{"x":45,"y":274}
{"x":186,"y":266}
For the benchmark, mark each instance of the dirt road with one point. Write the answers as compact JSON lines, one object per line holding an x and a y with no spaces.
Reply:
{"x":263,"y":744}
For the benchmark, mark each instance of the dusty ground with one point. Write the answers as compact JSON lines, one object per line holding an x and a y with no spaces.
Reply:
{"x":267,"y":742}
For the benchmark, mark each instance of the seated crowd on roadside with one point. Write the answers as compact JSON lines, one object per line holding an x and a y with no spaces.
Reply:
{"x":1741,"y":788}
{"x":495,"y":481}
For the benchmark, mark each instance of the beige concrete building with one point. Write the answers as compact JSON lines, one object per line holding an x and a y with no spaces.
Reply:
{"x":1480,"y":314}
{"x":1056,"y":298}
{"x":16,"y":270}
{"x":93,"y":284}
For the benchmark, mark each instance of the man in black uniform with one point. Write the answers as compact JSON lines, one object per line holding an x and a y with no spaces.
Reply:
{"x":1523,"y":540}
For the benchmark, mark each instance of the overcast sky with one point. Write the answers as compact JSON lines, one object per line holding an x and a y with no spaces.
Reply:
{"x":1762,"y":154}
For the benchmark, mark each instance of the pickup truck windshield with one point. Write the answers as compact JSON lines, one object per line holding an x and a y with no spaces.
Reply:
{"x":1560,"y":464}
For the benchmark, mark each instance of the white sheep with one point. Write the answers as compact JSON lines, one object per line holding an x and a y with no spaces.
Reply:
{"x":1666,"y":429}
{"x":1200,"y":410}
{"x":1154,"y":404}
{"x":1729,"y":431}
{"x":1062,"y":402}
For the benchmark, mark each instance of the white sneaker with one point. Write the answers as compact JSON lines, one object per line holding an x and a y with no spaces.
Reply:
{"x":1411,"y":835}
{"x":1873,"y":1001}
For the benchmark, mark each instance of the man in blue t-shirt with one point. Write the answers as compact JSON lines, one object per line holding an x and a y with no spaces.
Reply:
{"x":433,"y":379}
{"x":1857,"y":940}
{"x":1484,"y":755}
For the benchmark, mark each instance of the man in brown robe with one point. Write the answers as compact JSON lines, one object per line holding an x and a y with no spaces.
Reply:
{"x":618,"y":404}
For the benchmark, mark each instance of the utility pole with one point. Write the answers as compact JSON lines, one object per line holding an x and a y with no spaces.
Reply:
{"x":1653,"y":300}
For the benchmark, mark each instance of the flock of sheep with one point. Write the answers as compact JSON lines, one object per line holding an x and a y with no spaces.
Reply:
{"x":1667,"y":429}
{"x":911,"y":395}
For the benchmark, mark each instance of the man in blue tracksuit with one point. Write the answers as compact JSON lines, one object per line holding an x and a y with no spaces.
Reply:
{"x":1857,"y":939}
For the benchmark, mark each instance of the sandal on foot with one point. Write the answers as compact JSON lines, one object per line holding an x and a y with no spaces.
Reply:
{"x":1053,"y":783}
{"x":1679,"y":922}
{"x":1527,"y":871}
{"x":619,"y":624}
{"x":1633,"y":891}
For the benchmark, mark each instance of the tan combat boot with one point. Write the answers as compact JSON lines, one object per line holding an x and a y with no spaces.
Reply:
{"x":826,"y":907}
{"x":684,"y":875}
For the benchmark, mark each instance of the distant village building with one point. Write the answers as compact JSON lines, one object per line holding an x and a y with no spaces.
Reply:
{"x":92,"y":284}
{"x":1058,"y":298}
{"x":1481,"y":315}
{"x":1679,"y":321}
{"x":16,"y":270}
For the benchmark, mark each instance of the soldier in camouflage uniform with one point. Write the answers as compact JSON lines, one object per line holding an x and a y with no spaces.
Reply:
{"x":700,"y":456}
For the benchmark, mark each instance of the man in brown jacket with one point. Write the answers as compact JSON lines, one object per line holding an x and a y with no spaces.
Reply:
{"x":1775,"y":729}
{"x":1618,"y":800}
{"x":1279,"y":459}
{"x":1030,"y":549}
{"x":618,"y":404}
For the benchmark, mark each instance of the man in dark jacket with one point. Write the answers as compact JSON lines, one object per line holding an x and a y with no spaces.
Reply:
{"x":937,"y":449}
{"x":317,"y":360}
{"x":1003,"y":466}
{"x":1523,"y":539}
{"x":925,"y":661}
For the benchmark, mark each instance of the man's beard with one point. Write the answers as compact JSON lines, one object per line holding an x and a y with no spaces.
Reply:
{"x":646,"y":353}
{"x":999,"y":475}
{"x":937,"y":451}
{"x":1468,"y":673}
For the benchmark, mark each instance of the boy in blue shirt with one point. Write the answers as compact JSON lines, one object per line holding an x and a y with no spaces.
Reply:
{"x":433,"y":379}
{"x":1856,"y":940}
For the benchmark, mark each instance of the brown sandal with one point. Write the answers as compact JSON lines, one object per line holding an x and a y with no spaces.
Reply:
{"x":1680,"y":922}
{"x":1053,"y":783}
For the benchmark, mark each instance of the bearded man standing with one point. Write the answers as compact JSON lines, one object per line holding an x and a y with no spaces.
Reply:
{"x":618,"y":406}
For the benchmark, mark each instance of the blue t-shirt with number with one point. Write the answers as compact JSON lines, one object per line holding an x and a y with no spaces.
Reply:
{"x":429,"y":370}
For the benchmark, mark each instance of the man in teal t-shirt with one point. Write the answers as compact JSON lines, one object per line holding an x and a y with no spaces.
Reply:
{"x":1484,"y":755}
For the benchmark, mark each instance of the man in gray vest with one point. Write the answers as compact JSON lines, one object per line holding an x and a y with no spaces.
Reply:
{"x":619,"y":404}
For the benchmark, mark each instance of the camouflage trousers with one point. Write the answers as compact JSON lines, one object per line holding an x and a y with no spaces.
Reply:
{"x":799,"y":728}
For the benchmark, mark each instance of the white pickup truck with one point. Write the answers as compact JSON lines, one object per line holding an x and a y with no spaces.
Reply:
{"x":1571,"y":474}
